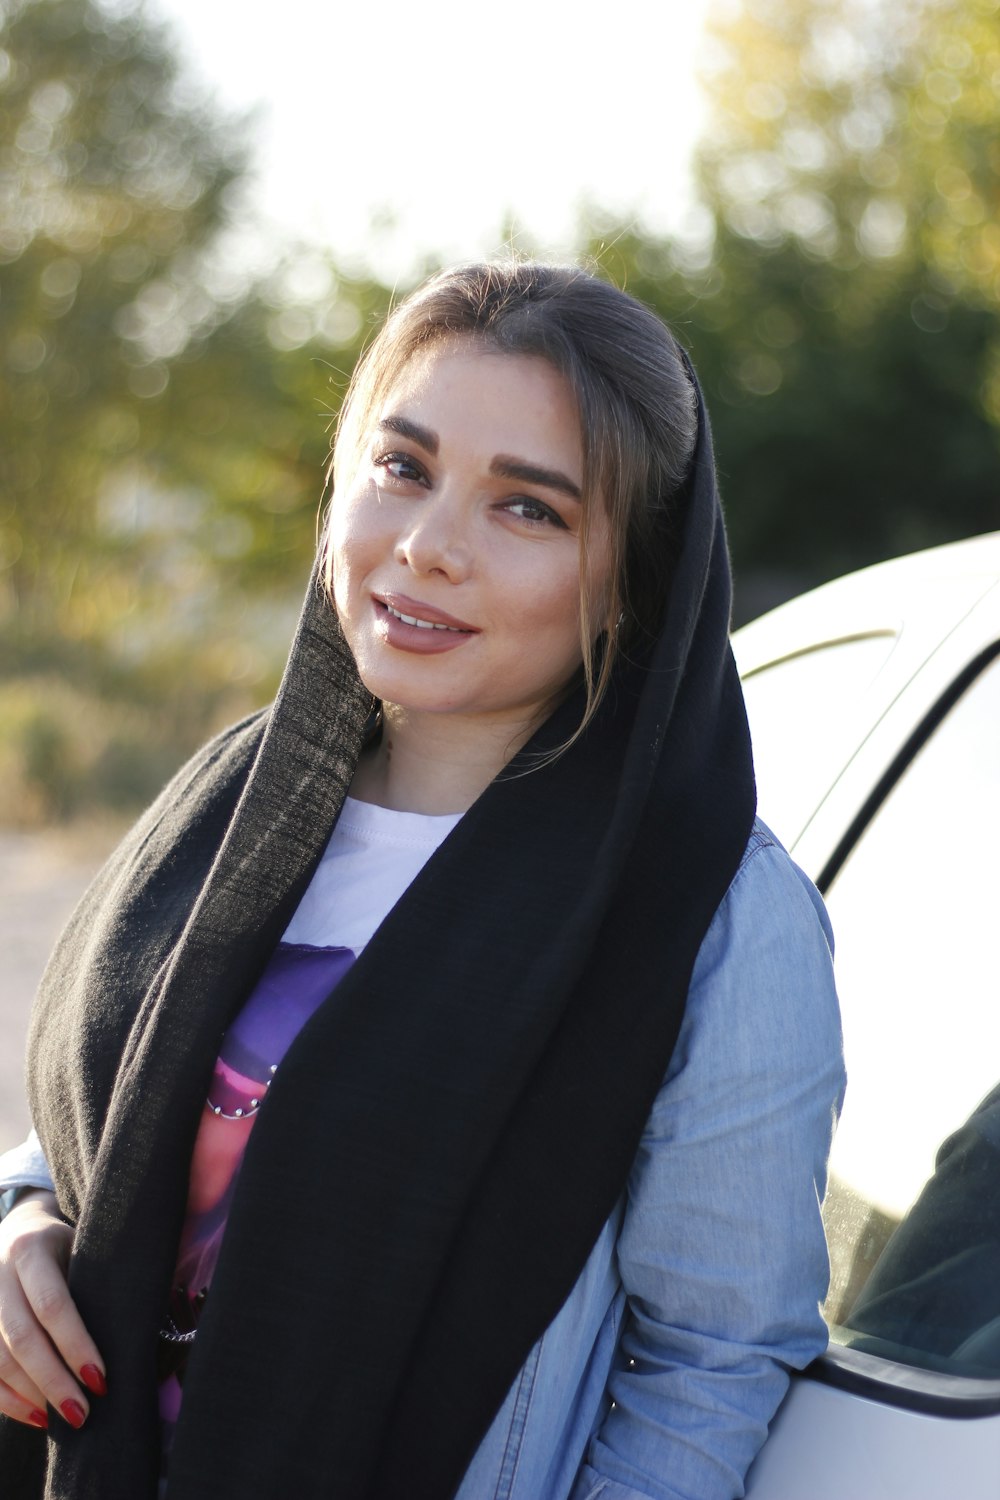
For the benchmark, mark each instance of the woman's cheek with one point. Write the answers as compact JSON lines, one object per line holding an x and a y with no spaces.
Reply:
{"x":355,"y":543}
{"x":344,"y":555}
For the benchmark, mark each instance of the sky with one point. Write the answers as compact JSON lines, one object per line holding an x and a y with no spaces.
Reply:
{"x":444,"y":121}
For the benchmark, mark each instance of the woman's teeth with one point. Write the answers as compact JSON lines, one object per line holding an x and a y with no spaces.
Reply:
{"x":421,"y":624}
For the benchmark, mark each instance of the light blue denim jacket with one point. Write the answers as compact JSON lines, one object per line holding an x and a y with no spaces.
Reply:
{"x":657,"y":1379}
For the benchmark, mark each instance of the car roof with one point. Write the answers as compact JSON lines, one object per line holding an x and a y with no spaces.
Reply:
{"x":873,"y":600}
{"x":836,"y":680}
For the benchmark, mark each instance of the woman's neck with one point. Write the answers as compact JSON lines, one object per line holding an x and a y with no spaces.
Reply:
{"x":433,"y":763}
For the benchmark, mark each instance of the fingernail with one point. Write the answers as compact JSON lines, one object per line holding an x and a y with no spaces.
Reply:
{"x":93,"y":1379}
{"x":38,"y":1418}
{"x":74,"y":1413}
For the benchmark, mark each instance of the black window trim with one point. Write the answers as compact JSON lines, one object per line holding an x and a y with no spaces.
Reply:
{"x":911,"y":1387}
{"x":859,"y":1371}
{"x":900,"y":761}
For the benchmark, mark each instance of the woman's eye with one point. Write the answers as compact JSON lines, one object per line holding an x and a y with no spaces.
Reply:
{"x":400,"y":466}
{"x":534,"y":510}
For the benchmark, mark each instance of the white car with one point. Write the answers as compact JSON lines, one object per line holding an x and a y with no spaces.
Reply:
{"x":875,"y":709}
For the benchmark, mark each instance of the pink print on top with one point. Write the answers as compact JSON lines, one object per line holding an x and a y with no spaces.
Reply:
{"x":295,"y":983}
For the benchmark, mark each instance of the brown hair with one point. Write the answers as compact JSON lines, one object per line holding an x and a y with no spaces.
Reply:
{"x":636,"y":403}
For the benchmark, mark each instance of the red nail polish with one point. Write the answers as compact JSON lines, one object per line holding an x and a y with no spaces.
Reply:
{"x":38,"y":1418}
{"x":93,"y":1379}
{"x":74,"y":1413}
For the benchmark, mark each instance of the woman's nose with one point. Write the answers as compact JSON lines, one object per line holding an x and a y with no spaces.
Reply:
{"x":437,"y":539}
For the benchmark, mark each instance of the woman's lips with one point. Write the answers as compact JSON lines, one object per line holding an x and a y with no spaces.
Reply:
{"x":409,"y":625}
{"x":427,"y":614}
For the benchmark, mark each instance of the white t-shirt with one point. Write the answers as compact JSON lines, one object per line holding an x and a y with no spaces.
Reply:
{"x":373,"y":856}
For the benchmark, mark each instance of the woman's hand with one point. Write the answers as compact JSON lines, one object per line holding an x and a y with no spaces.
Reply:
{"x":46,"y":1354}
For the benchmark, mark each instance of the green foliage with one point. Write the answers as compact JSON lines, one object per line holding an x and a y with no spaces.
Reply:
{"x":111,"y":184}
{"x":150,"y":393}
{"x":840,"y":439}
{"x":865,"y":132}
{"x":164,"y":425}
{"x":842,"y":308}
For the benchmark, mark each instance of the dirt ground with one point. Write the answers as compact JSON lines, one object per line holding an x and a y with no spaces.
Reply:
{"x":42,"y":876}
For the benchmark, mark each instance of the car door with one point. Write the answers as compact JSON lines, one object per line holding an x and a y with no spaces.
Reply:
{"x":901,"y":827}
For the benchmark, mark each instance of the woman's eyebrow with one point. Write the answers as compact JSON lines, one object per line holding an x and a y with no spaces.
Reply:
{"x":517,"y":468}
{"x":403,"y":427}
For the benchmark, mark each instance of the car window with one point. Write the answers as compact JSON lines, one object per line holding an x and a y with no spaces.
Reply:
{"x":796,"y":754}
{"x":913,"y":1213}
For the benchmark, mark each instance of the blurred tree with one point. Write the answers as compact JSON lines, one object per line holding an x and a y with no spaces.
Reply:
{"x":163,"y":422}
{"x":153,"y":398}
{"x":113,"y":179}
{"x":865,"y":131}
{"x":842,"y":300}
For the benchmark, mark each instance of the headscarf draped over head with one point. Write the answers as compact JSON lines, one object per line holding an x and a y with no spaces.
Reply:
{"x":446,"y":1137}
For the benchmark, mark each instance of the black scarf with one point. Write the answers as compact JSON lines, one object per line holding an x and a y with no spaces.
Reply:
{"x":446,"y":1137}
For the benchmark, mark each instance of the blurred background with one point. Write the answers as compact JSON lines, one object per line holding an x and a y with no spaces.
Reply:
{"x":204,"y":215}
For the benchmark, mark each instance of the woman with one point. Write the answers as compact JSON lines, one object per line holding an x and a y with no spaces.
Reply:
{"x":528,"y":1204}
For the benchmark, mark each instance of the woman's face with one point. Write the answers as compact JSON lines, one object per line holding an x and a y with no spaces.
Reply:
{"x":456,"y":542}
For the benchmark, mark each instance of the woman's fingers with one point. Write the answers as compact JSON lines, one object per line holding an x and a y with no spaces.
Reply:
{"x":14,"y":1405}
{"x":29,"y":1366}
{"x":46,"y":1353}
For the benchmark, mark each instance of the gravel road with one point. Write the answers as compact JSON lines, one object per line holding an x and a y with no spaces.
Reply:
{"x":42,"y":876}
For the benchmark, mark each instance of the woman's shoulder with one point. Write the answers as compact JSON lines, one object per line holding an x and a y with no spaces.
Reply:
{"x":768,"y":880}
{"x":762,"y":994}
{"x":765,"y":966}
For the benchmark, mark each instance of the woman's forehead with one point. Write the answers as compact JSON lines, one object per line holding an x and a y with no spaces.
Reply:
{"x":461,"y":388}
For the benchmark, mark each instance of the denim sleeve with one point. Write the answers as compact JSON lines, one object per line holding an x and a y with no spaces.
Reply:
{"x":22,"y":1166}
{"x":722,"y":1253}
